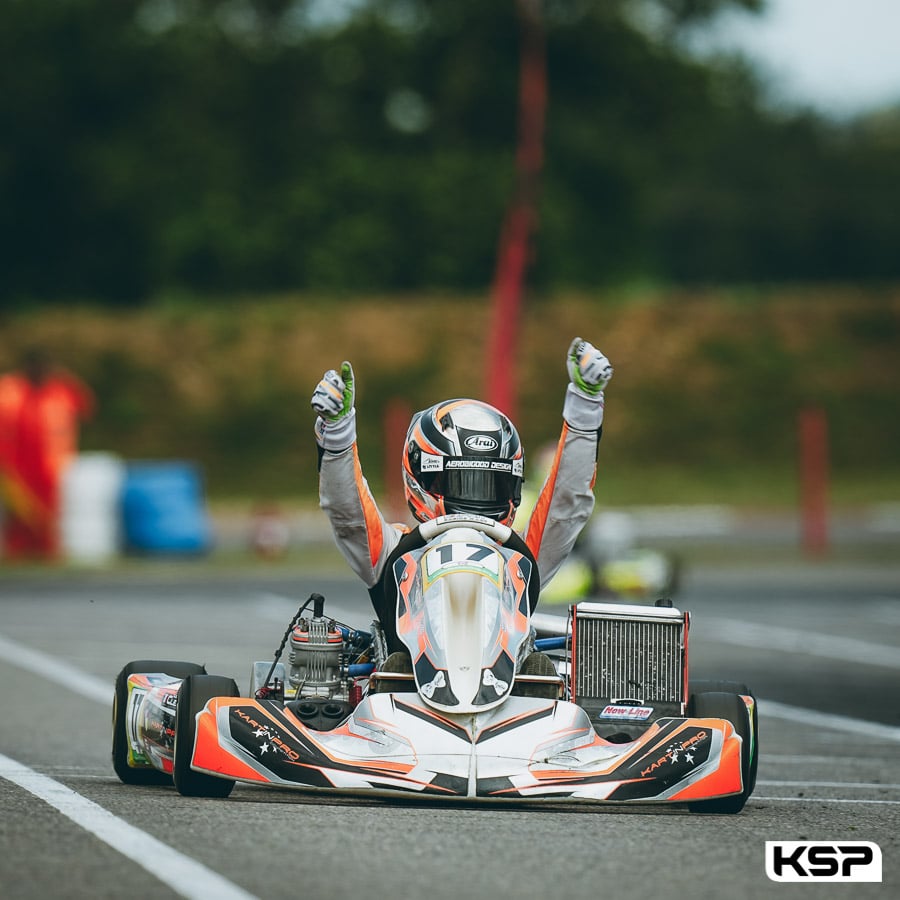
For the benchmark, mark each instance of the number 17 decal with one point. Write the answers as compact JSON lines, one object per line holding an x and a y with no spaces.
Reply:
{"x":462,"y":555}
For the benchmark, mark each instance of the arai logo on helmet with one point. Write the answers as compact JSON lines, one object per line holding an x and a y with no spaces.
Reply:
{"x":481,"y":443}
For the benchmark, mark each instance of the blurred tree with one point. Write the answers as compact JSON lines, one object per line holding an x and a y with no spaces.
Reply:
{"x":246,"y":145}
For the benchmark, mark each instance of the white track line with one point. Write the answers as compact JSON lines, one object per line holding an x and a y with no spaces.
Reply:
{"x":184,"y":875}
{"x":768,"y":637}
{"x":795,"y":759}
{"x":756,"y":798}
{"x":856,"y":785}
{"x":52,"y":668}
{"x":860,"y":727}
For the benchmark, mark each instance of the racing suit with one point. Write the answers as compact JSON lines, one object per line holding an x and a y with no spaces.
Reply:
{"x":370,"y":544}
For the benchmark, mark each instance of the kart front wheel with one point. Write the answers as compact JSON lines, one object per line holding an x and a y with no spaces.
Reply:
{"x":127,"y":774}
{"x":704,"y":686}
{"x":193,"y":695}
{"x":730,"y":706}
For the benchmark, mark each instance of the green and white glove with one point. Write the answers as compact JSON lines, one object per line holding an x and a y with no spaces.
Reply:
{"x":589,"y":374}
{"x":589,"y":369}
{"x":333,"y":400}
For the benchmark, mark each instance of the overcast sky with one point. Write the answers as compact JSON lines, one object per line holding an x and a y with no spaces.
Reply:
{"x":842,"y":56}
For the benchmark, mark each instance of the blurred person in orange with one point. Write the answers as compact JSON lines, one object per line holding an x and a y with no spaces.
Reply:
{"x":40,"y":410}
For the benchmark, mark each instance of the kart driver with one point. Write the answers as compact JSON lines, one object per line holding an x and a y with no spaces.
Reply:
{"x":444,"y":472}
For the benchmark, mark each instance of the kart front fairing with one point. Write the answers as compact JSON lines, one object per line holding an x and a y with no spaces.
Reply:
{"x":526,"y":749}
{"x":463,"y":614}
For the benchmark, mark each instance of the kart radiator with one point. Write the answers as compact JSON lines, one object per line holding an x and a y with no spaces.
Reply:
{"x":628,"y":663}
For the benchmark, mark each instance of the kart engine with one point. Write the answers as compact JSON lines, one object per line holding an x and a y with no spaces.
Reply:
{"x":316,"y":649}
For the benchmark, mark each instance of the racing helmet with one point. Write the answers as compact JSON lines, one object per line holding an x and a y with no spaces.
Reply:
{"x":463,"y":456}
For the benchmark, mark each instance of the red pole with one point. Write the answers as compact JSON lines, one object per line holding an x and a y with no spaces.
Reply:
{"x":813,"y":439}
{"x":520,"y":222}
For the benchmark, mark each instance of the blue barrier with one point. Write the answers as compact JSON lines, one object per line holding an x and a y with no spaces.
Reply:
{"x":163,"y":509}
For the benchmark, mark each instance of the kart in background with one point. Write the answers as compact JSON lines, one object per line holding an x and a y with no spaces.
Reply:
{"x":602,"y":711}
{"x":608,"y":562}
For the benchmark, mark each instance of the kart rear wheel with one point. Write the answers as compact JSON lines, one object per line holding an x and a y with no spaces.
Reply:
{"x":195,"y":692}
{"x":128,"y":775}
{"x":728,"y":705}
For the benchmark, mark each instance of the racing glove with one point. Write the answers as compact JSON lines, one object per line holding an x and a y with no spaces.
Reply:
{"x":333,"y":400}
{"x":589,"y":374}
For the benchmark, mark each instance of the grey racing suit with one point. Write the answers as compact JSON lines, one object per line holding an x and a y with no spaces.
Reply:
{"x":370,"y":543}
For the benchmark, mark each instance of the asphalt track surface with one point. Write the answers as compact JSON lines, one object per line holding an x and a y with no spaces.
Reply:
{"x":819,"y":645}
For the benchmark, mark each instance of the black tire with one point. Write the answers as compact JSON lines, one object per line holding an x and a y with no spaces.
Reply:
{"x":128,"y":775}
{"x":728,"y":705}
{"x":195,"y":692}
{"x":704,"y":686}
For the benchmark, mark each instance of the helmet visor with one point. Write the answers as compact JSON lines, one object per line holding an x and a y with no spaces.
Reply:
{"x":473,"y":480}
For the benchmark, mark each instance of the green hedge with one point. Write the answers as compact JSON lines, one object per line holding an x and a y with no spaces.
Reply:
{"x":703,"y":404}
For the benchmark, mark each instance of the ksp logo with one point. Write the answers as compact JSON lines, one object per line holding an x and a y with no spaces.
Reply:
{"x":811,"y":861}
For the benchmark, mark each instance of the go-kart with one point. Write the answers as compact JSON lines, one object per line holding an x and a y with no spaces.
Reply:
{"x":599,"y":709}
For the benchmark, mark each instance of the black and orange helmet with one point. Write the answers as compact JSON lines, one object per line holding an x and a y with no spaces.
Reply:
{"x":463,"y":456}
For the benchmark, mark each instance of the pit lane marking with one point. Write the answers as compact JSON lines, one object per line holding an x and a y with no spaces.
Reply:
{"x":791,"y":640}
{"x":187,"y":877}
